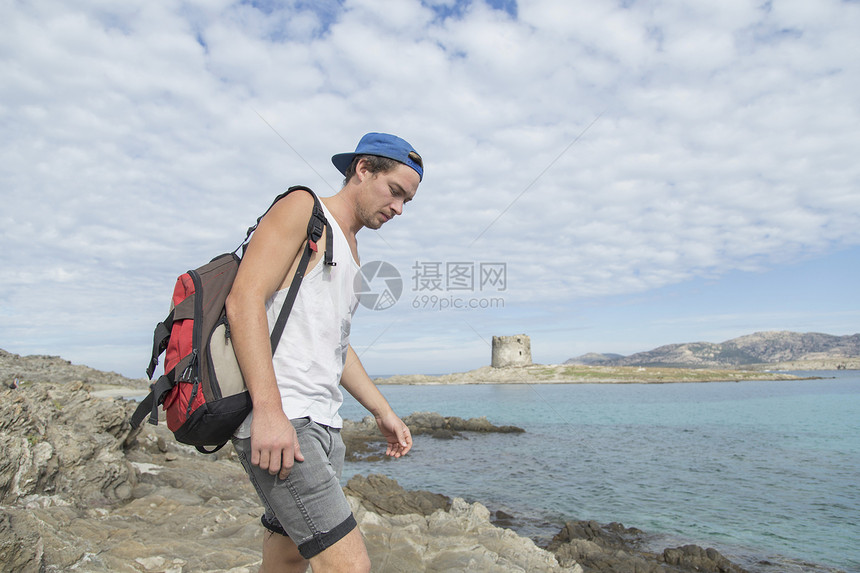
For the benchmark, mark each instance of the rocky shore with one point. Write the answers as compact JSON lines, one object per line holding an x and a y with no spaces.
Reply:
{"x":79,"y":490}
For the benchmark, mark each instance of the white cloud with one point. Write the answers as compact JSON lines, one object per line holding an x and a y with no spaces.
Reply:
{"x":726,"y":140}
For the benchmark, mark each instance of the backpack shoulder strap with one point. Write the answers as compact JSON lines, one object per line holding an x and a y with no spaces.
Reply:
{"x":316,"y":225}
{"x":159,"y":342}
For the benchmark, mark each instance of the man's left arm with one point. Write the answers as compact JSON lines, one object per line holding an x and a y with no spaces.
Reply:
{"x":356,"y":381}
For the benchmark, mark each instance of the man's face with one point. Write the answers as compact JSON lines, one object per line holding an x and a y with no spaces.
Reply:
{"x":385,"y":194}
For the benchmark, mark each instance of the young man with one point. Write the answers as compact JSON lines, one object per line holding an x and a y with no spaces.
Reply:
{"x":290,"y":444}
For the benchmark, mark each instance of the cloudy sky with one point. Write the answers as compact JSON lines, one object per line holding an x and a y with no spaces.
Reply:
{"x":603,"y":176}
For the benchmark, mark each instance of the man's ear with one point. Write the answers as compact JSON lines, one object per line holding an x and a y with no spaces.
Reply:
{"x":361,"y":170}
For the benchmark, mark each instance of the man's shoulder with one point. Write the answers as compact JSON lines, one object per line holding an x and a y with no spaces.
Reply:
{"x":300,"y":196}
{"x":295,"y":206}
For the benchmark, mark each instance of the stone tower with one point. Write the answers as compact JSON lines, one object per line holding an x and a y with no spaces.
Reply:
{"x":511,"y":351}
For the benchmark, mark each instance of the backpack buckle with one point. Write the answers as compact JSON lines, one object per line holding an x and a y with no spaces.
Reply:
{"x":315,"y":229}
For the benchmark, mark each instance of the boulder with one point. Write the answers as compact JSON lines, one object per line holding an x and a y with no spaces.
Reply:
{"x":430,"y":422}
{"x":59,"y":442}
{"x":386,"y":497}
{"x":695,"y":558}
{"x":613,"y":548}
{"x":364,"y":441}
{"x":460,"y":539}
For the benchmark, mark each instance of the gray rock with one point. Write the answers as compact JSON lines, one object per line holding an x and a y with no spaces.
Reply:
{"x":364,"y":442}
{"x":461,"y":539}
{"x":58,"y":441}
{"x":385,"y":496}
{"x":695,"y":558}
{"x":79,"y":490}
{"x":613,"y":548}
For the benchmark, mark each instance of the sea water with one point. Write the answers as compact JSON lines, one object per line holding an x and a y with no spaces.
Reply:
{"x":762,"y":471}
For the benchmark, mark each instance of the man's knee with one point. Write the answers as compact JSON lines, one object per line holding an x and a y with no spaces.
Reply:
{"x":362,"y":560}
{"x":347,"y":555}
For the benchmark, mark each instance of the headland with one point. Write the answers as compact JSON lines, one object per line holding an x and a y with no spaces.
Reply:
{"x":583,"y":374}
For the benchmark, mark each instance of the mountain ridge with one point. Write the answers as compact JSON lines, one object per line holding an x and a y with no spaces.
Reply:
{"x":787,"y":349}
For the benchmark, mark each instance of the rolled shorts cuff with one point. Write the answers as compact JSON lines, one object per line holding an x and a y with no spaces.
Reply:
{"x":273,"y":525}
{"x":319,"y":542}
{"x":322,"y":541}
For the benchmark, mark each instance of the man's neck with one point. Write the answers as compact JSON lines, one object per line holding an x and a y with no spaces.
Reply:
{"x":341,"y":206}
{"x":342,"y":210}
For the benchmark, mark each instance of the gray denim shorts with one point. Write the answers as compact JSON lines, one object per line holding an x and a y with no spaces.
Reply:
{"x":309,"y":506}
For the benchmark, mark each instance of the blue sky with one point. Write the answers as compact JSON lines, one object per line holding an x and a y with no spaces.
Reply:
{"x":635,"y":173}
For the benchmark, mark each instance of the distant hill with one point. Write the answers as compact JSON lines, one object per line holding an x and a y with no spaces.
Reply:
{"x":42,"y":368}
{"x":791,"y":349}
{"x":595,"y":358}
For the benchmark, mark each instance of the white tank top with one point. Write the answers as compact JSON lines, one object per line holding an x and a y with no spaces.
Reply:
{"x":310,"y":357}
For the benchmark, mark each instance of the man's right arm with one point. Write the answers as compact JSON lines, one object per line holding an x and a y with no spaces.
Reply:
{"x":271,"y":257}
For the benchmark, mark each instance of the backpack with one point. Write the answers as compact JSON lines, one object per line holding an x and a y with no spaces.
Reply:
{"x":202,"y":390}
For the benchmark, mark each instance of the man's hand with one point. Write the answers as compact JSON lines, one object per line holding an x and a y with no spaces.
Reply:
{"x":274,"y":443}
{"x":396,"y":433}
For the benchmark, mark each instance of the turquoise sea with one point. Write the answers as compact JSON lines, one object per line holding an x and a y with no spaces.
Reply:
{"x":761,"y":471}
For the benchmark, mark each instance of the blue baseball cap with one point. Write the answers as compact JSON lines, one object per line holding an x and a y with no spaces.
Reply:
{"x":384,"y":145}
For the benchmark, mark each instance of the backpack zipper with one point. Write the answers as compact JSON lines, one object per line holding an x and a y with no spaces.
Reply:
{"x":193,"y":368}
{"x":187,"y":375}
{"x":190,"y":368}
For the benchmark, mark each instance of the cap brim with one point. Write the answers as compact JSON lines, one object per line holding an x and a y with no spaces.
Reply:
{"x":342,"y":161}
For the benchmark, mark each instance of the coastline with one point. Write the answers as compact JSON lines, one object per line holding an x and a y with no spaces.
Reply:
{"x":580,"y":374}
{"x":139,"y":479}
{"x":143,"y":483}
{"x":533,"y":374}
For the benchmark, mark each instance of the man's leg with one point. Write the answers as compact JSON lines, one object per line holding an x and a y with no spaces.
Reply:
{"x":348,"y":555}
{"x":280,"y":554}
{"x":309,"y":505}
